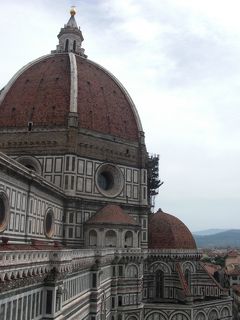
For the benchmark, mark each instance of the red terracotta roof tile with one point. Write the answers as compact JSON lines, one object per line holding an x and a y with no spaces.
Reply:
{"x":168,"y":232}
{"x":102,"y":104}
{"x":41,"y":94}
{"x":236,"y":289}
{"x":112,"y":214}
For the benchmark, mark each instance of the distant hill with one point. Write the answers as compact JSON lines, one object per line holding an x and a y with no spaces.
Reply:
{"x":229,"y":238}
{"x":209,"y":232}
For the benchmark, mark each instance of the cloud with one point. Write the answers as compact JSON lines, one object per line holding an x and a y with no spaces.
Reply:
{"x":179,"y":61}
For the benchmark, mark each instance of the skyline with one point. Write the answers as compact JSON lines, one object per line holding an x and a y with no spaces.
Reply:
{"x":178,"y":61}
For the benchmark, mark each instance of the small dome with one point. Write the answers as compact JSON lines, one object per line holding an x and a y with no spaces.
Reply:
{"x":112,"y":214}
{"x":168,"y":232}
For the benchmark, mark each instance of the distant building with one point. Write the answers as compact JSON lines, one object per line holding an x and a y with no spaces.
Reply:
{"x":233,"y":273}
{"x":232,"y":258}
{"x":212,"y":268}
{"x":232,"y":268}
{"x":78,"y":239}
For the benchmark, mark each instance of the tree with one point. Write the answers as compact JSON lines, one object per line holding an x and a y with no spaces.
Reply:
{"x":153,"y":178}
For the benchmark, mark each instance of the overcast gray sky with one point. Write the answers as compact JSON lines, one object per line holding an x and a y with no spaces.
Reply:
{"x":179,"y":60}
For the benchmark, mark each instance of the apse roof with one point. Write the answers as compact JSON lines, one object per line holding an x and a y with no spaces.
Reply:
{"x":168,"y":232}
{"x":112,"y":214}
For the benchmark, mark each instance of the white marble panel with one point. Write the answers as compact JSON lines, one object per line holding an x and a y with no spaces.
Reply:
{"x":88,"y":185}
{"x":89,"y":168}
{"x":18,"y":200}
{"x":135,"y":192}
{"x":135,"y":176}
{"x":13,"y":198}
{"x":58,"y":164}
{"x":129,"y":190}
{"x":129,"y":175}
{"x":57,"y":180}
{"x":80,"y":183}
{"x":49,"y":165}
{"x":81,"y":166}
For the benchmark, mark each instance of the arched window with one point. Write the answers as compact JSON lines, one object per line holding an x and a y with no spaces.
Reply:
{"x":93,"y":238}
{"x":4,"y":210}
{"x":156,"y":316}
{"x":225,"y":312}
{"x":213,"y":315}
{"x":132,"y":271}
{"x":49,"y":223}
{"x":187,"y":275}
{"x":200,"y":316}
{"x":139,"y":239}
{"x":128,"y":239}
{"x":179,"y":316}
{"x":111,"y":238}
{"x":66,"y":45}
{"x":159,"y":284}
{"x":74,"y":45}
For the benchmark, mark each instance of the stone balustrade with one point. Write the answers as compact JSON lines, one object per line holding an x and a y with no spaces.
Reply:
{"x":23,"y":257}
{"x":23,"y":263}
{"x":129,"y":250}
{"x":13,"y":258}
{"x":173,"y":253}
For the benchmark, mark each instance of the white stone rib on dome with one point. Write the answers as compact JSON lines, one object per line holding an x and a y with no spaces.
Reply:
{"x":73,"y":78}
{"x":74,"y":83}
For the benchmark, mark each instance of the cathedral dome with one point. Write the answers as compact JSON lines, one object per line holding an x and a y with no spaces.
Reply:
{"x":114,"y":215}
{"x":45,"y":91}
{"x":168,"y":232}
{"x":65,"y":84}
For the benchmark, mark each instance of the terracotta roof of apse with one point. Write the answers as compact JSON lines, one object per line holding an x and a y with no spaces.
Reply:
{"x":112,"y":214}
{"x":168,"y":232}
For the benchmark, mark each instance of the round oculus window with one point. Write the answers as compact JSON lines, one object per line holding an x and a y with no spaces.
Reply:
{"x":4,"y":210}
{"x":109,"y":180}
{"x":105,"y":180}
{"x":49,"y":223}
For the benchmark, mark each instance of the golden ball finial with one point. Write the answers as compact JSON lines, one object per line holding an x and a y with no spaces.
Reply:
{"x":73,"y":11}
